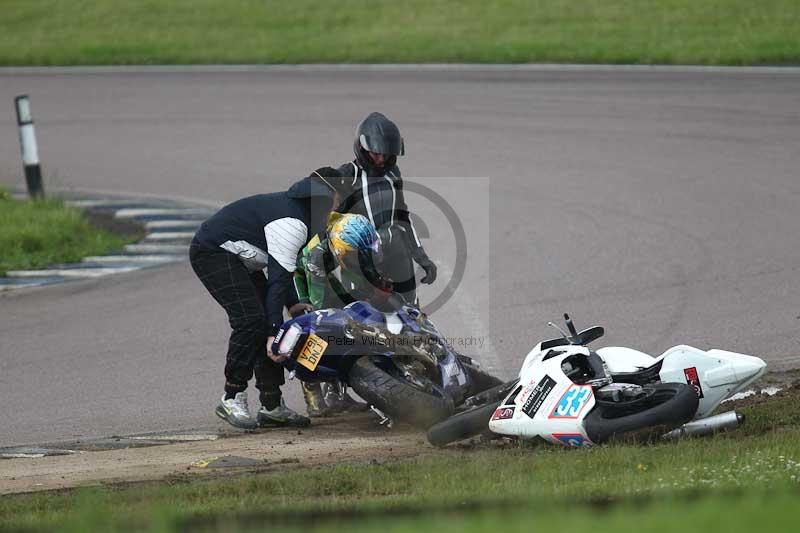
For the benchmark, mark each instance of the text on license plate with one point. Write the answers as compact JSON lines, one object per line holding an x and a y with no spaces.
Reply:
{"x":312,"y":352}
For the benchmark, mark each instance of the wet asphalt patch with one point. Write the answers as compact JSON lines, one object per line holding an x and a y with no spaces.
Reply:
{"x":109,"y":443}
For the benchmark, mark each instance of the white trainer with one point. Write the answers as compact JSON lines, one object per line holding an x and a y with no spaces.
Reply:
{"x":236,"y":412}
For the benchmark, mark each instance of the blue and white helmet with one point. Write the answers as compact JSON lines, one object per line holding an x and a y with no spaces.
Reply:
{"x":350,"y":235}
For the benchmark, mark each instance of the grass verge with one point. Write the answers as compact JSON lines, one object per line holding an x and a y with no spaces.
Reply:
{"x":38,"y":233}
{"x":94,"y":32}
{"x":739,"y":479}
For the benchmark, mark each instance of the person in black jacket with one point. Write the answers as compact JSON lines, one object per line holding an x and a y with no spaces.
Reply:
{"x":371,"y":186}
{"x":374,"y":188}
{"x":245,"y":255}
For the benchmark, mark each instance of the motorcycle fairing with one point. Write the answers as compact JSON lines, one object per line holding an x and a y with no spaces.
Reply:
{"x":454,"y":378}
{"x":574,"y":440}
{"x":572,"y":402}
{"x":503,"y":413}
{"x":362,"y":312}
{"x":332,"y":326}
{"x":549,"y":405}
{"x":718,"y":374}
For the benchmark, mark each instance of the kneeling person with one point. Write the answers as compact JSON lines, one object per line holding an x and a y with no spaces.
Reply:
{"x":332,"y":272}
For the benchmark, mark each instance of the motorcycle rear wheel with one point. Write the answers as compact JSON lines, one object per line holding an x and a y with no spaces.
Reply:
{"x":670,"y":405}
{"x":397,"y":397}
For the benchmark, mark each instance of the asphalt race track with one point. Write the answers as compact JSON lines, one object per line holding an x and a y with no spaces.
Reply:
{"x":661,"y":204}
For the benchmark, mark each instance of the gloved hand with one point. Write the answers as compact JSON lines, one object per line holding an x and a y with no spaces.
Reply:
{"x":300,"y":309}
{"x":275,"y":357}
{"x":427,"y":265}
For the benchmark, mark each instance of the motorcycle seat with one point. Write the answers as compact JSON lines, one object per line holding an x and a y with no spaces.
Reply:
{"x":639,"y":377}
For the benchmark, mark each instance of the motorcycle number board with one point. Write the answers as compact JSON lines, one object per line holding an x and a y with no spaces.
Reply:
{"x":312,"y":351}
{"x":572,"y":402}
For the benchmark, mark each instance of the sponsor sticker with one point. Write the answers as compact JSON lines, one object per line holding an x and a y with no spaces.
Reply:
{"x":693,"y":379}
{"x":503,"y":413}
{"x":575,"y":440}
{"x":537,"y":396}
{"x":572,"y":402}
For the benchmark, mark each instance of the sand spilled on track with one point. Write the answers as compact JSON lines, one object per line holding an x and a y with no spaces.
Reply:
{"x":356,"y":438}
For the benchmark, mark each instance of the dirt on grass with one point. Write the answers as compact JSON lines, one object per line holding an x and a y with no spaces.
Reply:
{"x":355,"y":438}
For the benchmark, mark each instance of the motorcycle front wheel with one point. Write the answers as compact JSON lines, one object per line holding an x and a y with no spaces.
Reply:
{"x":462,"y":425}
{"x":397,"y":397}
{"x":473,"y":420}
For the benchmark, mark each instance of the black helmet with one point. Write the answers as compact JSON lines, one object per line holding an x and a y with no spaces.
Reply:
{"x":379,"y":135}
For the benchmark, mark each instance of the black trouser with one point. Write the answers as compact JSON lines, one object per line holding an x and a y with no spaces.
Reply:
{"x":241,"y":294}
{"x":398,"y":266}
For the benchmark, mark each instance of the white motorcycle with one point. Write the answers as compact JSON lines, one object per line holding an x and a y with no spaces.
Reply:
{"x":571,"y":395}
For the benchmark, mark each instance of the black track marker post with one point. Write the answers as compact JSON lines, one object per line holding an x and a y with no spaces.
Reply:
{"x":30,"y":151}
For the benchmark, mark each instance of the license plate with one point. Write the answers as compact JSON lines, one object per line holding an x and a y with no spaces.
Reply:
{"x":312,"y":352}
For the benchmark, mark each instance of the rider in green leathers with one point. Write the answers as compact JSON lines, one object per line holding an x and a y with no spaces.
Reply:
{"x":334,"y":271}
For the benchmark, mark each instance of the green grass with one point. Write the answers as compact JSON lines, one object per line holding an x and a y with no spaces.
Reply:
{"x":35,"y":234}
{"x":741,"y":476}
{"x":769,"y":511}
{"x":94,"y":32}
{"x":730,"y":513}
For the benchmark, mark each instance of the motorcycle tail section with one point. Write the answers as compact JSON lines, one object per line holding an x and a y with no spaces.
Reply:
{"x":714,"y":374}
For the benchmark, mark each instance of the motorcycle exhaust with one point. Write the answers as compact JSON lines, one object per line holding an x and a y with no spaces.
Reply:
{"x":706,"y":426}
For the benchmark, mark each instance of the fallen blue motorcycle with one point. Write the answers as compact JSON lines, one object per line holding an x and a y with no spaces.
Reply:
{"x":397,"y":361}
